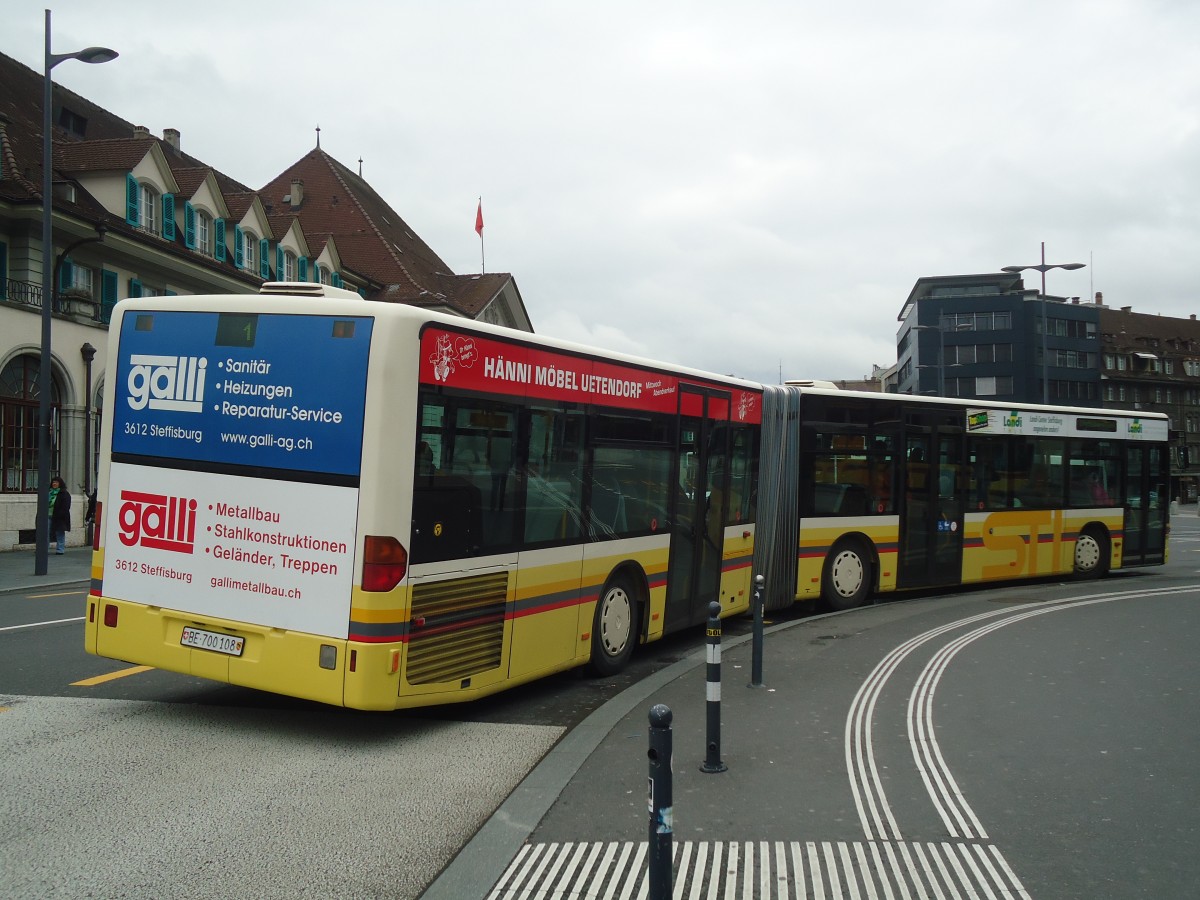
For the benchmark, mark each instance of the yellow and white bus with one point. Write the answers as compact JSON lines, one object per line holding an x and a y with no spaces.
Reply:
{"x":377,"y":506}
{"x":883,"y":492}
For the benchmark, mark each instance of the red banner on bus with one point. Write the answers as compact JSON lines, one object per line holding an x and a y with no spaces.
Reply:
{"x":477,"y":363}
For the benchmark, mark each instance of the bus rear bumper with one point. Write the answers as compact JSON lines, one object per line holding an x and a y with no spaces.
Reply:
{"x":293,"y":663}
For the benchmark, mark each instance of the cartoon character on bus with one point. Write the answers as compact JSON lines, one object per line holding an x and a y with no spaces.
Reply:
{"x":450,"y":353}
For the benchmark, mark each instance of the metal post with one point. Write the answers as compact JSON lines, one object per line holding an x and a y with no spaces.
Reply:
{"x":88,"y":352}
{"x":756,"y":665}
{"x":662,"y":814}
{"x":1045,"y":359}
{"x":40,"y":554}
{"x":88,"y":55}
{"x":712,"y":760}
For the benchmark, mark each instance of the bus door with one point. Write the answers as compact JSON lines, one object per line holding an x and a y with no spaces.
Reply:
{"x":933,"y":504}
{"x":1146,"y":505}
{"x":698,"y":505}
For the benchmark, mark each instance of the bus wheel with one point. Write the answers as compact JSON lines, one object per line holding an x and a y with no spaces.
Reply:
{"x":614,"y":628}
{"x":846,"y":581}
{"x":1091,"y":553}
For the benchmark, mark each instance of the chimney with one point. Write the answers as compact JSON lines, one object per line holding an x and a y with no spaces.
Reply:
{"x":297,"y":195}
{"x":1192,"y":317}
{"x":1099,"y":298}
{"x":1126,"y":309}
{"x":171,"y":136}
{"x":141,"y":131}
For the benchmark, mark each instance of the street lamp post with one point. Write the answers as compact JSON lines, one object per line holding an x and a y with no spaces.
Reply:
{"x":88,"y":55}
{"x":1044,"y":268}
{"x":88,"y":352}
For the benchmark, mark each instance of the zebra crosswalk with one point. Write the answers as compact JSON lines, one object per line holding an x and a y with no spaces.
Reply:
{"x":764,"y":870}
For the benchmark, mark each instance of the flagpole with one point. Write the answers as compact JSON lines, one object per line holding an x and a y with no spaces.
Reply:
{"x":479,"y":231}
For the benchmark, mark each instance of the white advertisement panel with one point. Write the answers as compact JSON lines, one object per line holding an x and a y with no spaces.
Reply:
{"x":275,"y":553}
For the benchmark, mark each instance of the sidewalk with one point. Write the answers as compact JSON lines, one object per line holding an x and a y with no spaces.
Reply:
{"x":16,"y":569}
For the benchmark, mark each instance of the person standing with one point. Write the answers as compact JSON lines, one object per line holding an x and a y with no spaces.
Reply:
{"x":60,"y":514}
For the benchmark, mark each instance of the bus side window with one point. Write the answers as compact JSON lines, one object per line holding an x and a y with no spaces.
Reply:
{"x":447,"y":519}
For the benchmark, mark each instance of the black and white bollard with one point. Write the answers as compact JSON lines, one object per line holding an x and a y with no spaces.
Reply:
{"x":662,"y":815}
{"x":756,"y":661}
{"x":712,"y":759}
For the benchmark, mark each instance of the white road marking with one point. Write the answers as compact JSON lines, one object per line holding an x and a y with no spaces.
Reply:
{"x":762,"y":870}
{"x":39,"y":624}
{"x":875,"y":814}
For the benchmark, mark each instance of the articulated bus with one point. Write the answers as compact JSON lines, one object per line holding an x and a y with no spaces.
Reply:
{"x":377,"y":506}
{"x":883,"y":492}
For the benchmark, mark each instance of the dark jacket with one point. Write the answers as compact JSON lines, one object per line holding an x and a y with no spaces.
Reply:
{"x":60,"y":516}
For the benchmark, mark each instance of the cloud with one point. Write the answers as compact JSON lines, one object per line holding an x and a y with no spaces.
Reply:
{"x":749,"y":189}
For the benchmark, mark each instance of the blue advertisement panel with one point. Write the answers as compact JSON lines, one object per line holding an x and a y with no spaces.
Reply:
{"x":273,"y":390}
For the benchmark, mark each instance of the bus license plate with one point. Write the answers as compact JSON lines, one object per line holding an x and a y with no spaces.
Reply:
{"x":211,"y":640}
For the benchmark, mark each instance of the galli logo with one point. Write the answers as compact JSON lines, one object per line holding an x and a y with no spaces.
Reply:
{"x":157,"y":521}
{"x":166,"y":382}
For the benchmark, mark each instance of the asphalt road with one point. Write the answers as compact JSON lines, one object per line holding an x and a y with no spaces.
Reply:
{"x":1071,"y":733}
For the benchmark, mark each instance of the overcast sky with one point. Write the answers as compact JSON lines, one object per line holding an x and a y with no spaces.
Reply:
{"x":748,"y":188}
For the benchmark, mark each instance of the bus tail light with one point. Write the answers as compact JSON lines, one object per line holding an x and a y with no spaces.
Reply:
{"x":385,"y":561}
{"x":110,"y":615}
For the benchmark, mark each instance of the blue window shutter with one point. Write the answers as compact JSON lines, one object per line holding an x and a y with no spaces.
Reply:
{"x":168,"y":211}
{"x":335,"y":280}
{"x":3,"y":270}
{"x":219,"y":230}
{"x":302,"y":268}
{"x":239,"y":243}
{"x":108,"y":295}
{"x":131,"y":199}
{"x":279,"y":270}
{"x":189,"y":225}
{"x":135,"y":288}
{"x":66,"y":275}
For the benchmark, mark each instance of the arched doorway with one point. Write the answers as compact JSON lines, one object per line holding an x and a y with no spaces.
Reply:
{"x":19,"y":398}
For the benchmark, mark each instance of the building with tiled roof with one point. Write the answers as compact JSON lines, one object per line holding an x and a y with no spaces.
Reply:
{"x":136,"y":215}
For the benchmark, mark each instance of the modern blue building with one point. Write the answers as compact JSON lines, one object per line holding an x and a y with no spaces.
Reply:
{"x":989,"y":336}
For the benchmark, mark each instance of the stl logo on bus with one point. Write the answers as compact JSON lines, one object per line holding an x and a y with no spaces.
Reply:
{"x":157,"y":521}
{"x":449,"y":354}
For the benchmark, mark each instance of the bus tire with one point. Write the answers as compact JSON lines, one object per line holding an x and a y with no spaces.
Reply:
{"x":848,"y":575}
{"x":1092,"y":553}
{"x":614,"y":627}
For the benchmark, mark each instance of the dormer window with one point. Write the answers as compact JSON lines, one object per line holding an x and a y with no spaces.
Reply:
{"x":204,"y":233}
{"x":249,"y":251}
{"x":148,"y":209}
{"x":289,"y":266}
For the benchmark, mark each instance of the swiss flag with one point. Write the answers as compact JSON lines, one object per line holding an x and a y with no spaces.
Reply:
{"x":479,"y":219}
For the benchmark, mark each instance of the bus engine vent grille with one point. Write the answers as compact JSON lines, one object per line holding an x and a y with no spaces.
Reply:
{"x":457,"y":628}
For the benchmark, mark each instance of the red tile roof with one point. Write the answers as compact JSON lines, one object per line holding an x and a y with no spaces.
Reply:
{"x":373,"y":241}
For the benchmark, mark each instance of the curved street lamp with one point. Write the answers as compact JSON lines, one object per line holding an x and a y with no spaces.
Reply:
{"x":87,"y":55}
{"x":1044,"y":267}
